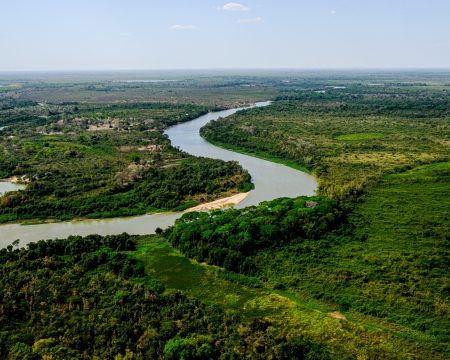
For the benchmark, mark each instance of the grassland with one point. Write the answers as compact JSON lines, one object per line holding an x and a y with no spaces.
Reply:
{"x":360,"y":136}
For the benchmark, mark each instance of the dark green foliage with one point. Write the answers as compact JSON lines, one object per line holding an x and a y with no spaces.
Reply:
{"x":230,"y":238}
{"x":354,"y":101}
{"x":54,"y":195}
{"x":81,"y":298}
{"x":73,"y":245}
{"x":11,"y":103}
{"x":193,"y":347}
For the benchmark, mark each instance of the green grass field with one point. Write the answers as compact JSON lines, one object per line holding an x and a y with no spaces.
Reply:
{"x":180,"y":273}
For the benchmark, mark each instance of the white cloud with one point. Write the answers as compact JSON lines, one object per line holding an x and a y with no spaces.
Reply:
{"x":232,"y":6}
{"x":182,"y":27}
{"x":332,"y":12}
{"x":250,"y":20}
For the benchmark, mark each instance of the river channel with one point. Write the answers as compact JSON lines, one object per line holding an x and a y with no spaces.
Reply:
{"x":271,"y":181}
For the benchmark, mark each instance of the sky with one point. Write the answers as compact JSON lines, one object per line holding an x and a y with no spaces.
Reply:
{"x":208,"y":34}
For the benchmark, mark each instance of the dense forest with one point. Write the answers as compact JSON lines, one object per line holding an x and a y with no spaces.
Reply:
{"x":84,"y":298}
{"x":231,"y":239}
{"x":135,"y":297}
{"x":105,"y":161}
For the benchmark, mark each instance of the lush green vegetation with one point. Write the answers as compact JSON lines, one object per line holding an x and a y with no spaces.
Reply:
{"x":352,"y":335}
{"x":388,"y":258}
{"x":359,"y":271}
{"x":128,"y":297}
{"x":107,"y":161}
{"x":348,"y":137}
{"x":85,"y":298}
{"x":230,"y":239}
{"x":389,"y":261}
{"x":360,"y":136}
{"x":395,"y":263}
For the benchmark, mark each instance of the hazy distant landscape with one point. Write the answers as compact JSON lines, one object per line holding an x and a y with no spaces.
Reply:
{"x":207,"y":180}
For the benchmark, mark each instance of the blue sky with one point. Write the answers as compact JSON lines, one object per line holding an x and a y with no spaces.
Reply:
{"x":185,"y":34}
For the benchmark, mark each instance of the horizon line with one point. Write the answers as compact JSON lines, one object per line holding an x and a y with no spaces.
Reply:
{"x":229,"y":69}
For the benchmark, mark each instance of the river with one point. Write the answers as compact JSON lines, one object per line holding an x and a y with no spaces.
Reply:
{"x":6,"y":186}
{"x":271,"y":181}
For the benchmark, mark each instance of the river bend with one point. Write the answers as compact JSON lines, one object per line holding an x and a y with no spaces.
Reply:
{"x":271,"y":181}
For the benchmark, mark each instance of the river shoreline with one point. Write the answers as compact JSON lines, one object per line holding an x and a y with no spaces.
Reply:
{"x":217,"y":204}
{"x":12,"y":180}
{"x":261,"y":155}
{"x":220,"y":203}
{"x":11,"y":184}
{"x":272,"y":180}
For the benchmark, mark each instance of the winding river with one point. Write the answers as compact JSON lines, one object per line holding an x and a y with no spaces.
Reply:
{"x":271,"y":181}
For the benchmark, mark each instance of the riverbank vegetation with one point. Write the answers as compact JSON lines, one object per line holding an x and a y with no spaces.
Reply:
{"x":348,"y":137}
{"x":389,"y":259}
{"x":382,"y":155}
{"x":230,"y":239}
{"x":107,"y":161}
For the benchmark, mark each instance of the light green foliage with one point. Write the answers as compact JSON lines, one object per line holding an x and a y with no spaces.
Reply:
{"x":348,"y":138}
{"x":360,"y":136}
{"x":11,"y":87}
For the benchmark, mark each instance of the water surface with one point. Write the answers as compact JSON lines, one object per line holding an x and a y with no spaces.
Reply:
{"x":6,"y":186}
{"x":271,"y":180}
